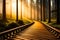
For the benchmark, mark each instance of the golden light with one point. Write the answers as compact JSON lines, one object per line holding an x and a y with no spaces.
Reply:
{"x":14,"y":8}
{"x":34,"y":1}
{"x":51,"y":3}
{"x":23,"y":9}
{"x":29,"y":1}
{"x":14,"y":5}
{"x":13,"y":2}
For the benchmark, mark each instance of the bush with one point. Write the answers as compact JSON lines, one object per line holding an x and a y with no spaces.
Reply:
{"x":20,"y":22}
{"x":2,"y":27}
{"x":12,"y":25}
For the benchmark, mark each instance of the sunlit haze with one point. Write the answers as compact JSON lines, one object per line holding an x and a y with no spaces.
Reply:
{"x":11,"y":8}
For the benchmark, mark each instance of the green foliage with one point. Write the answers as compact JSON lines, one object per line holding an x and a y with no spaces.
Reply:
{"x":9,"y":24}
{"x":12,"y":25}
{"x":20,"y":22}
{"x":56,"y":25}
{"x":26,"y":22}
{"x":2,"y":27}
{"x":53,"y":24}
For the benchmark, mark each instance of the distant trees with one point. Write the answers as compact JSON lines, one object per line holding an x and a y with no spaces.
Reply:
{"x":34,"y":8}
{"x":31,"y":8}
{"x":4,"y":10}
{"x":21,"y":9}
{"x":42,"y":11}
{"x":37,"y":4}
{"x":10,"y":8}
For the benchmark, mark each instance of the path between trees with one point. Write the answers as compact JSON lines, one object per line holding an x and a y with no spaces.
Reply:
{"x":35,"y":32}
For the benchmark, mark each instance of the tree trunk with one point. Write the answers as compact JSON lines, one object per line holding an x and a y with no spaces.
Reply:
{"x":58,"y":13}
{"x":21,"y":9}
{"x":31,"y":8}
{"x":37,"y":10}
{"x":4,"y":10}
{"x":34,"y":12}
{"x":11,"y":9}
{"x":43,"y":10}
{"x":16,"y":10}
{"x":49,"y":19}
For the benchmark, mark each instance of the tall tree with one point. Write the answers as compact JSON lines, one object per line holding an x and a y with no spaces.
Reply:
{"x":16,"y":10}
{"x":21,"y":9}
{"x":49,"y":19}
{"x":43,"y":3}
{"x":34,"y":10}
{"x":10,"y":8}
{"x":27,"y":9}
{"x":58,"y":13}
{"x":41,"y":9}
{"x":37,"y":2}
{"x":31,"y":8}
{"x":4,"y":10}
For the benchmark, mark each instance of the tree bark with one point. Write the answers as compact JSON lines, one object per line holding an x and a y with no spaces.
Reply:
{"x":58,"y":13}
{"x":21,"y":9}
{"x":37,"y":10}
{"x":43,"y":10}
{"x":11,"y":9}
{"x":49,"y":19}
{"x":31,"y":8}
{"x":16,"y":10}
{"x":4,"y":10}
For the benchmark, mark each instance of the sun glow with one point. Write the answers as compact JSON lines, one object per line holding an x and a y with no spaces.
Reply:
{"x":14,"y":5}
{"x":11,"y":8}
{"x":14,"y":8}
{"x":34,"y":1}
{"x":29,"y":1}
{"x":51,"y":3}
